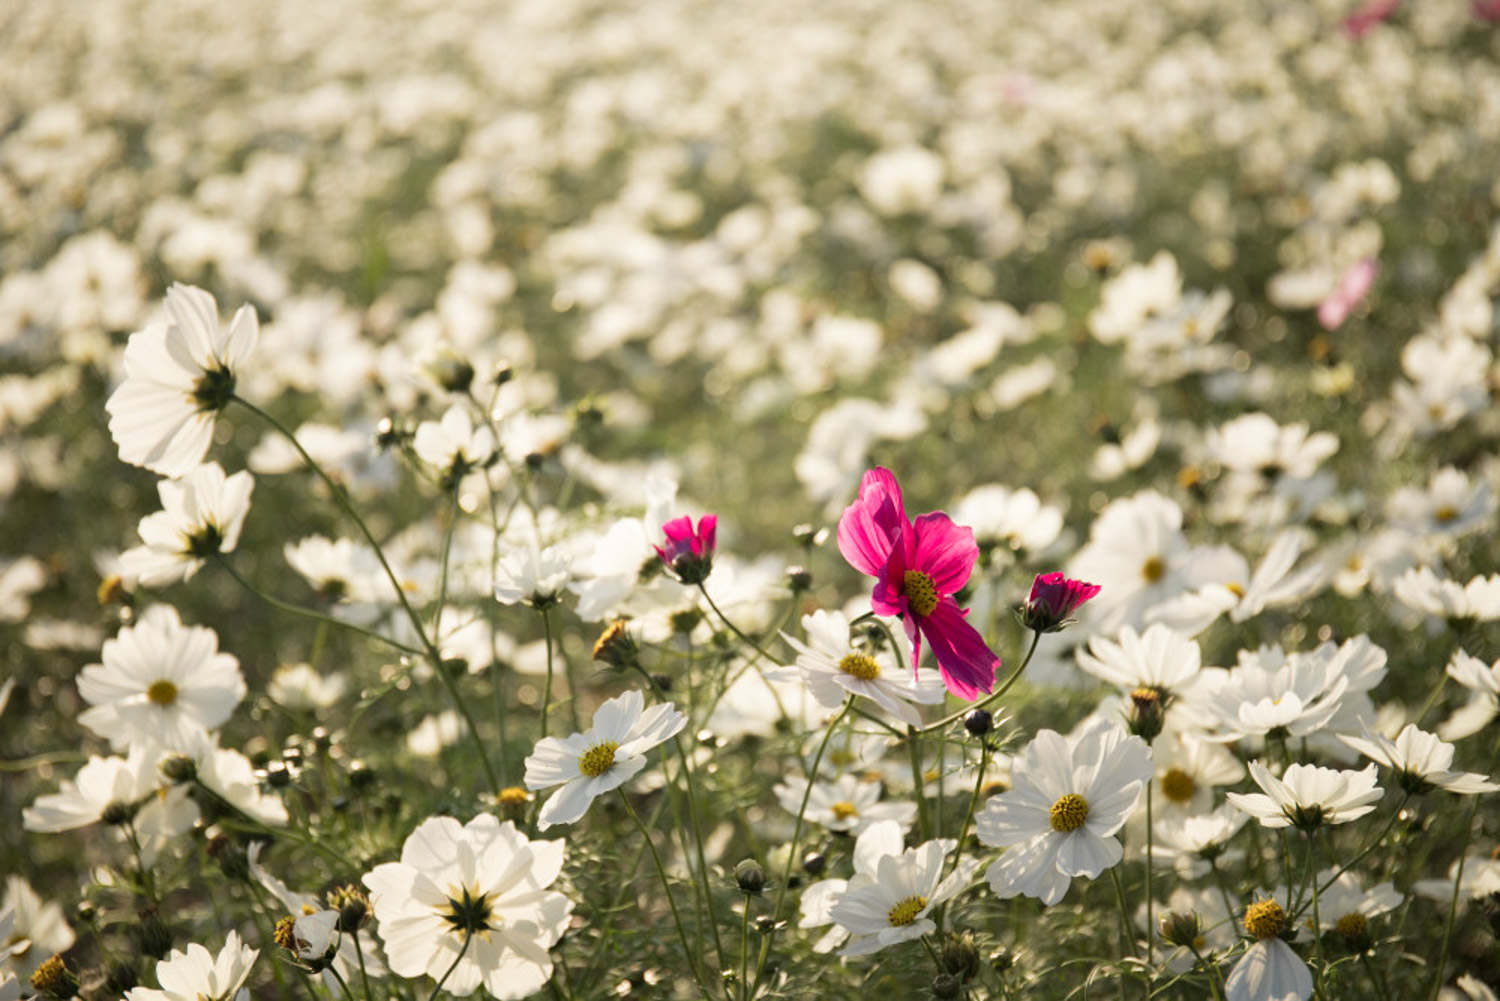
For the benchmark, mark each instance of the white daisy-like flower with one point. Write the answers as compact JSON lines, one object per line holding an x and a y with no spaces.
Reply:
{"x":19,"y":580}
{"x":882,"y":838}
{"x":601,"y":758}
{"x":1307,"y":796}
{"x":161,"y":683}
{"x":116,"y":791}
{"x":1483,"y":682}
{"x":1255,"y":443}
{"x":201,"y":516}
{"x":1243,"y":594}
{"x":1478,"y":600}
{"x":1420,"y":761}
{"x":453,"y":446}
{"x":477,"y":890}
{"x":1270,"y":970}
{"x":847,"y":804}
{"x":893,"y":906}
{"x":1058,"y":820}
{"x":1016,"y":519}
{"x":1189,"y":769}
{"x":1161,"y":659}
{"x":1345,"y":906}
{"x":532,"y":575}
{"x":178,"y":376}
{"x":199,"y":975}
{"x":833,"y":669}
{"x":1452,"y":505}
{"x":230,"y":776}
{"x":1192,"y":843}
{"x":38,"y":928}
{"x":304,"y":687}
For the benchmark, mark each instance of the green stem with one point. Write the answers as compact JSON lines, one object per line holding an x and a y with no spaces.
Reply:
{"x":1441,"y":964}
{"x":547,"y":688}
{"x":661,"y":871}
{"x":1125,"y":931}
{"x":1150,"y":903}
{"x":745,"y":950}
{"x":914,"y":756}
{"x":310,"y":613}
{"x":1213,"y":973}
{"x":988,"y":700}
{"x":1312,"y":871}
{"x":468,"y":936}
{"x":364,"y":976}
{"x":736,"y":629}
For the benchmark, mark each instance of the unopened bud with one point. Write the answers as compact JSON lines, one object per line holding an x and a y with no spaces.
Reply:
{"x":961,"y":957}
{"x":152,"y":933}
{"x":946,"y":986}
{"x":979,"y":722}
{"x":353,"y":907}
{"x":616,"y":647}
{"x":1147,"y":714}
{"x":750,"y":876}
{"x":1180,"y":928}
{"x":178,"y":768}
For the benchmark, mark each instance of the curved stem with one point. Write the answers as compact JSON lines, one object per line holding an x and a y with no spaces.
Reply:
{"x":310,"y":613}
{"x":988,"y":700}
{"x":468,"y":937}
{"x":736,"y":629}
{"x":661,"y":871}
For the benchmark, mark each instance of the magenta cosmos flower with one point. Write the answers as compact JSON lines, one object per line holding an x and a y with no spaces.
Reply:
{"x":918,"y":566}
{"x":1053,"y":599}
{"x":689,"y":552}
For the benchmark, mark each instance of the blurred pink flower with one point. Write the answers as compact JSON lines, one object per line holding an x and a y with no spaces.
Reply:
{"x":1053,"y":599}
{"x":689,"y":552}
{"x":1350,"y":292}
{"x":1356,"y":25}
{"x":918,"y":566}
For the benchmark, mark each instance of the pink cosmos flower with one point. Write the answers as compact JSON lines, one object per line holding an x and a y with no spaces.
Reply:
{"x":1353,"y":286}
{"x":1053,"y":599}
{"x":918,"y":566}
{"x":689,"y":552}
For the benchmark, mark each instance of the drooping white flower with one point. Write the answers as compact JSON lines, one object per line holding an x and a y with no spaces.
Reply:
{"x":1058,"y":820}
{"x":1420,"y":761}
{"x":1269,"y":970}
{"x":201,"y":516}
{"x":482,"y":882}
{"x":847,"y":804}
{"x":178,"y":375}
{"x":1425,"y":591}
{"x":1307,"y":796}
{"x":601,"y":758}
{"x":115,"y":791}
{"x":199,"y":975}
{"x":894,"y":904}
{"x":833,"y":669}
{"x":160,"y":683}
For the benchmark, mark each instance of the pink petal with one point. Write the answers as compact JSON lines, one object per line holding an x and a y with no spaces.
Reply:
{"x":708,"y":526}
{"x":965,"y":661}
{"x":888,"y":597}
{"x":944,"y":551}
{"x":870,"y":527}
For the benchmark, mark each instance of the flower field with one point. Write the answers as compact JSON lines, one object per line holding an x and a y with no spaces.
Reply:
{"x":745,"y":502}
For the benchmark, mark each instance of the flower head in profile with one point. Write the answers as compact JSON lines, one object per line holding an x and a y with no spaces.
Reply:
{"x":1269,"y":970}
{"x":1307,"y":796}
{"x":199,"y":975}
{"x":114,"y":791}
{"x":603,"y":757}
{"x":471,"y":901}
{"x":160,"y":684}
{"x":1059,"y":818}
{"x":918,"y":566}
{"x":178,"y":376}
{"x":1053,"y":599}
{"x":536,"y":577}
{"x":1420,"y":762}
{"x":689,"y":552}
{"x":201,"y":516}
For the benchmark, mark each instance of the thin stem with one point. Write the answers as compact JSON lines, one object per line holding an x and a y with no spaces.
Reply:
{"x":745,"y":950}
{"x":988,"y":700}
{"x":1312,"y":872}
{"x":1375,"y":976}
{"x":547,"y":688}
{"x":468,"y":937}
{"x":1150,"y":903}
{"x":661,"y":871}
{"x":442,"y":600}
{"x":359,"y":953}
{"x":1213,"y":973}
{"x":1369,"y":847}
{"x":1125,"y":931}
{"x":340,"y":981}
{"x":914,"y":756}
{"x":736,"y":629}
{"x":963,"y":831}
{"x":1441,"y":965}
{"x":310,"y":613}
{"x":708,"y":900}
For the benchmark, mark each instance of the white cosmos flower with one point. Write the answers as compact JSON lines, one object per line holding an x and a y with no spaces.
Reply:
{"x":198,"y":975}
{"x":484,"y":881}
{"x":531,"y":575}
{"x":1425,"y":591}
{"x":201,"y":515}
{"x":847,"y":804}
{"x":601,"y":758}
{"x":1190,"y":842}
{"x":1058,"y":820}
{"x":878,"y":840}
{"x":1483,"y":682}
{"x":38,"y":928}
{"x":1307,"y":796}
{"x":112,"y":790}
{"x":1160,"y":659}
{"x":1420,"y":761}
{"x":161,"y":683}
{"x":832,"y":670}
{"x":453,"y":446}
{"x":1345,"y":906}
{"x":1189,"y":769}
{"x":1269,"y":970}
{"x":229,"y":775}
{"x":178,"y":375}
{"x":893,"y":904}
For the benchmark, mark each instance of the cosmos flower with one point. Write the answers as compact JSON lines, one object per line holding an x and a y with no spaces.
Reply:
{"x":38,"y":928}
{"x":601,"y":758}
{"x":847,"y":804}
{"x":178,"y":376}
{"x":478,"y":891}
{"x":689,"y":552}
{"x":197,"y":974}
{"x":201,"y":516}
{"x":832,"y":669}
{"x":893,"y":905}
{"x":1269,"y":970}
{"x":453,"y":446}
{"x":1307,"y":796}
{"x":531,"y":575}
{"x":1058,"y":820}
{"x":1420,"y":761}
{"x":1053,"y":599}
{"x":113,"y":791}
{"x":160,"y":683}
{"x":882,"y":838}
{"x":918,"y":567}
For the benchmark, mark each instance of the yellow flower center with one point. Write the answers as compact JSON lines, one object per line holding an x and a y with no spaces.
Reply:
{"x":1446,"y":513}
{"x":844,"y":809}
{"x":1353,"y":925}
{"x":860,"y":665}
{"x":162,"y":693}
{"x":598,"y":759}
{"x":906,"y":911}
{"x":920,"y":592}
{"x":1153,"y":569}
{"x":1178,"y":786}
{"x":1265,"y":919}
{"x":1237,"y":590}
{"x":513,"y":796}
{"x":1069,"y":813}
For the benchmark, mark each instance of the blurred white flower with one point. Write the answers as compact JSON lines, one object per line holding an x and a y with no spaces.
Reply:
{"x":898,"y":181}
{"x":201,"y":516}
{"x":20,"y":578}
{"x":160,"y":684}
{"x":531,"y":575}
{"x":1425,"y":591}
{"x":1194,"y":843}
{"x":198,"y":974}
{"x":453,"y":446}
{"x":848,"y":804}
{"x":38,"y":928}
{"x":178,"y":376}
{"x":301,"y":686}
{"x":117,"y":791}
{"x":1483,"y":682}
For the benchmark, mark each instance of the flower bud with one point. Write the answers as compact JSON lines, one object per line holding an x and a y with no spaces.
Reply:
{"x":353,"y":907}
{"x":979,"y":722}
{"x":120,"y":976}
{"x":54,"y":979}
{"x":961,"y":957}
{"x":750,"y":877}
{"x":946,"y":986}
{"x":1147,"y":715}
{"x":116,"y":813}
{"x":798,"y":579}
{"x":813,"y":863}
{"x":152,"y":934}
{"x":1052,"y":600}
{"x":450,"y":371}
{"x":689,"y":552}
{"x":178,"y":768}
{"x":231,"y":857}
{"x":616,"y":647}
{"x":1180,"y":928}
